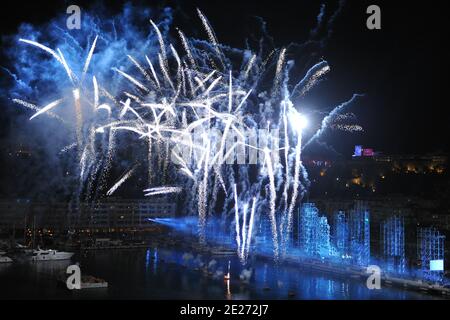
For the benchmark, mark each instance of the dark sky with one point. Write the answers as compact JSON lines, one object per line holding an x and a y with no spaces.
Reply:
{"x":402,"y":69}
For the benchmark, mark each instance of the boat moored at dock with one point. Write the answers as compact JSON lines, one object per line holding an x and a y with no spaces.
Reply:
{"x":50,"y":255}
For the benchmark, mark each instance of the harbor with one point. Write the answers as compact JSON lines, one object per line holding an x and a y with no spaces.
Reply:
{"x":158,"y":273}
{"x":156,"y":151}
{"x":162,"y":271}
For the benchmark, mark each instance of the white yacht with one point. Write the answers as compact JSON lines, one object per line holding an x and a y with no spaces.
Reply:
{"x":49,"y":255}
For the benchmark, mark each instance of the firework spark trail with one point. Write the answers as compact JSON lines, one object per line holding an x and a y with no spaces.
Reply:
{"x":132,"y":80}
{"x":67,"y":68}
{"x":211,"y":35}
{"x":219,"y":155}
{"x":105,"y":107}
{"x":243,"y":100}
{"x":345,"y":116}
{"x":296,"y":185}
{"x":36,"y":108}
{"x":230,"y":93}
{"x":68,"y":147}
{"x":250,"y":227}
{"x":311,"y":78}
{"x":190,"y":81}
{"x":133,"y":97}
{"x":96,"y":96}
{"x":326,"y":122}
{"x":166,"y":161}
{"x":211,"y":86}
{"x":161,"y":44}
{"x":125,"y":177}
{"x":249,"y":66}
{"x":178,"y":60}
{"x":93,"y":164}
{"x":127,"y":107}
{"x":108,"y":159}
{"x":162,"y":190}
{"x":203,"y":191}
{"x":188,"y":173}
{"x":278,"y":71}
{"x":164,"y":70}
{"x":187,"y":49}
{"x":46,"y":108}
{"x":273,"y":197}
{"x":92,"y":180}
{"x":244,"y":230}
{"x":201,"y":82}
{"x":149,"y":161}
{"x":29,"y":105}
{"x":286,"y":156}
{"x":59,"y":58}
{"x":153,"y":72}
{"x":314,"y":79}
{"x":285,"y":104}
{"x":236,"y":218}
{"x":141,"y":69}
{"x":79,"y":119}
{"x":89,"y":57}
{"x":83,"y":158}
{"x":183,"y":80}
{"x":347,"y":127}
{"x":108,"y":95}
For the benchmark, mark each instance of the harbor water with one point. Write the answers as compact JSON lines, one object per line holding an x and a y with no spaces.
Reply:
{"x":159,"y":273}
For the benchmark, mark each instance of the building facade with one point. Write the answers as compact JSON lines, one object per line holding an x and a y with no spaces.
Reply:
{"x":110,"y":215}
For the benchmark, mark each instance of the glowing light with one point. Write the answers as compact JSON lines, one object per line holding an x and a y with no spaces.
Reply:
{"x":297,"y":120}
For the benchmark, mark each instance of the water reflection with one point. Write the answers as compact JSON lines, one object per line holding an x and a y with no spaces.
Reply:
{"x":158,"y":273}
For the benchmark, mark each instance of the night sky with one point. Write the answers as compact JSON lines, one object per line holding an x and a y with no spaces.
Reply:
{"x":401,"y":69}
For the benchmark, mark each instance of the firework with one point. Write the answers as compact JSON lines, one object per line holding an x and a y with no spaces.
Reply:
{"x":177,"y":97}
{"x":162,"y":190}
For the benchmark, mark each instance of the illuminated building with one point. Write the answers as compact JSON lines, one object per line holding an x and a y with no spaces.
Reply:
{"x":430,"y":253}
{"x":359,"y":230}
{"x":313,"y":232}
{"x":110,"y":215}
{"x":393,"y":243}
{"x":340,"y":234}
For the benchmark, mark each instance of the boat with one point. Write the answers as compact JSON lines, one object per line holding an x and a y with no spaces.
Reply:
{"x":50,"y":255}
{"x":87,"y":282}
{"x":90,"y":282}
{"x":5,"y":259}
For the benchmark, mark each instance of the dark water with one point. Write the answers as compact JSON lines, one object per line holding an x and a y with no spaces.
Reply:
{"x":160,"y":274}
